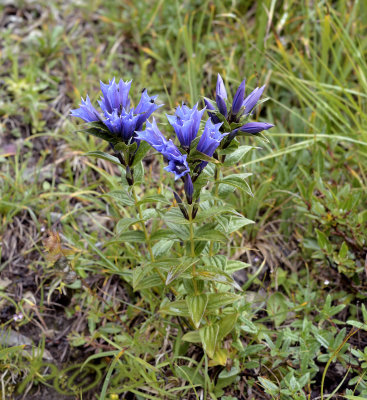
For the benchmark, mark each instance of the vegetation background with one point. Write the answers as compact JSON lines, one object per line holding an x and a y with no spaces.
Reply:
{"x":62,"y":302}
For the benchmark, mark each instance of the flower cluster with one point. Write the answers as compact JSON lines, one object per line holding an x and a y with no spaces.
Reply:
{"x":240,"y":110}
{"x":119,"y":118}
{"x":187,"y":160}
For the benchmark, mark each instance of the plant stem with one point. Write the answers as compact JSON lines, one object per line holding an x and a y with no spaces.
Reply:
{"x":192,"y":249}
{"x":147,"y":240}
{"x":216,"y":190}
{"x":146,"y":234}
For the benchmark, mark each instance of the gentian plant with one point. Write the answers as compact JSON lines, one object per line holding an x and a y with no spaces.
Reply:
{"x":182,"y":255}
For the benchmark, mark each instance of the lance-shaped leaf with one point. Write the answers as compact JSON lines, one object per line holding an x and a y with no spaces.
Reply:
{"x":237,"y":155}
{"x":209,"y":338}
{"x":139,"y":273}
{"x":197,"y":305}
{"x":177,"y":270}
{"x":196,"y":155}
{"x":99,"y":130}
{"x":221,"y":299}
{"x":140,"y":153}
{"x":192,"y":337}
{"x":226,"y":325}
{"x":104,"y":156}
{"x":218,"y":276}
{"x":178,"y":308}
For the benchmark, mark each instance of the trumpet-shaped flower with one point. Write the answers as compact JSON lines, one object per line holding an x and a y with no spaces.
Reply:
{"x":210,"y":140}
{"x":177,"y":163}
{"x":255,"y":127}
{"x":119,"y":118}
{"x":186,"y":123}
{"x":240,"y":107}
{"x":86,"y":111}
{"x":221,"y":96}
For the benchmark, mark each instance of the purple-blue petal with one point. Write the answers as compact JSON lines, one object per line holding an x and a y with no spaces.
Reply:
{"x":256,"y":127}
{"x":251,"y":100}
{"x":238,"y":98}
{"x":221,"y":89}
{"x":86,"y":111}
{"x":208,"y":104}
{"x":178,"y":166}
{"x":210,"y":139}
{"x":222,"y":107}
{"x":186,"y":123}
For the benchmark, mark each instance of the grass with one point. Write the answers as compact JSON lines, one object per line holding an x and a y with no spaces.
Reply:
{"x":304,"y":325}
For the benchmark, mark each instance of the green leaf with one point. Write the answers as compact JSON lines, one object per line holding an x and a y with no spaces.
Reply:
{"x":141,"y":152}
{"x":207,"y":232}
{"x":140,"y":273}
{"x":178,"y":308}
{"x":217,"y":276}
{"x":235,"y":265}
{"x":174,"y":215}
{"x":237,"y":155}
{"x":236,"y":223}
{"x":211,"y":212}
{"x":120,"y":196}
{"x":100,"y":130}
{"x":154,"y":198}
{"x":192,"y":337}
{"x":104,"y":156}
{"x":177,"y":270}
{"x":124,"y":223}
{"x":181,"y":231}
{"x":323,"y":241}
{"x":357,"y":324}
{"x":130,"y":236}
{"x":209,"y":337}
{"x":277,"y":308}
{"x":196,"y":155}
{"x":248,"y":326}
{"x":138,"y":173}
{"x":221,"y":299}
{"x":226,"y":325}
{"x":162,"y":247}
{"x":343,"y":252}
{"x":219,"y":261}
{"x":238,"y":181}
{"x":270,"y":387}
{"x":197,"y":305}
{"x":163,"y":234}
{"x":150,"y":281}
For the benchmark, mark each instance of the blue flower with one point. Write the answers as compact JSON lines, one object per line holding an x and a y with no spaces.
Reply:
{"x":115,"y":97}
{"x":177,"y":163}
{"x":86,"y":111}
{"x":119,"y":118}
{"x":238,"y":98}
{"x":186,"y":123}
{"x":241,"y":107}
{"x":255,"y":127}
{"x":251,"y":100}
{"x":209,"y":107}
{"x":210,"y":140}
{"x":221,"y":96}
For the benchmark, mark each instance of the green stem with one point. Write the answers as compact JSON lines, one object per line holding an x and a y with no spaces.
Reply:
{"x":146,"y":233}
{"x":192,"y":249}
{"x":216,"y":190}
{"x":147,"y":240}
